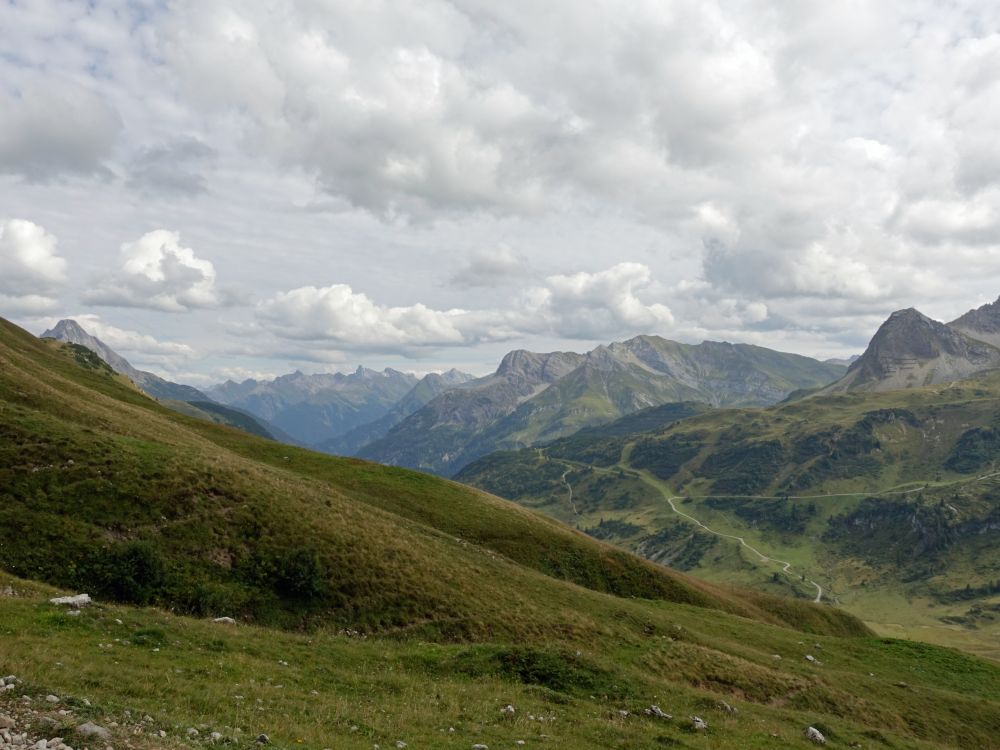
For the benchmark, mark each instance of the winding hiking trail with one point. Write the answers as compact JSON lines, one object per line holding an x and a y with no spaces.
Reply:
{"x":786,"y":567}
{"x":569,"y":489}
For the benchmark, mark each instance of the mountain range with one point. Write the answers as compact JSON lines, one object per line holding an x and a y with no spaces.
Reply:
{"x":534,"y":398}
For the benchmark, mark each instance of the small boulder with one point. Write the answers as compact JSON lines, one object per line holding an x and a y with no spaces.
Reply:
{"x":815,"y":736}
{"x":90,"y":729}
{"x":263,"y":739}
{"x":723,"y":706}
{"x":656,"y":712}
{"x":508,"y":709}
{"x":80,"y":600}
{"x":225,"y":620}
{"x":698,"y":724}
{"x":52,"y":698}
{"x":6,"y":722}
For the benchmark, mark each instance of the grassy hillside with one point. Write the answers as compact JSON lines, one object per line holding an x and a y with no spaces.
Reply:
{"x":875,"y":497}
{"x":142,"y":671}
{"x":429,"y":606}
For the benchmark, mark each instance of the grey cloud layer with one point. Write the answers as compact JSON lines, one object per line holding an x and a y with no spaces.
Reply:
{"x":805,"y":167}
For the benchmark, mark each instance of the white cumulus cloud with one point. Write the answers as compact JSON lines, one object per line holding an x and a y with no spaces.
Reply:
{"x":31,"y":271}
{"x":159,"y":273}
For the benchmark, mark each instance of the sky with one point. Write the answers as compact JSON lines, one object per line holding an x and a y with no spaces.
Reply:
{"x":241,"y":189}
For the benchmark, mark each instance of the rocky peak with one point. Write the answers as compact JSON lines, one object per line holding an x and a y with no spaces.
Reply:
{"x":909,"y":349}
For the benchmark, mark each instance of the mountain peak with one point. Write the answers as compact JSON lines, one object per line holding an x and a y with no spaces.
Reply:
{"x":910,"y":349}
{"x":983,"y":323}
{"x":65,"y":327}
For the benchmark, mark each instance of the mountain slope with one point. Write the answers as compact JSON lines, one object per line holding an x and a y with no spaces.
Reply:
{"x":983,"y":323}
{"x":590,"y":389}
{"x":72,"y":332}
{"x":319,"y":407}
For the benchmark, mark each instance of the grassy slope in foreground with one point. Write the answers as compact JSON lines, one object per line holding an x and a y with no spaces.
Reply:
{"x":324,"y":690}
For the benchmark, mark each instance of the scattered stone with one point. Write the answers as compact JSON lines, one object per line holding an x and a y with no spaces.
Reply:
{"x":400,"y":744}
{"x":478,"y":746}
{"x":90,"y":729}
{"x":623,"y":713}
{"x":73,"y":613}
{"x":810,"y":657}
{"x":263,"y":739}
{"x":814,"y":735}
{"x":656,"y":712}
{"x":52,"y":698}
{"x":508,"y":709}
{"x":80,"y":600}
{"x":723,"y":706}
{"x":698,"y":724}
{"x":6,"y":722}
{"x":225,"y":620}
{"x":192,"y":732}
{"x":902,"y":684}
{"x":216,"y":736}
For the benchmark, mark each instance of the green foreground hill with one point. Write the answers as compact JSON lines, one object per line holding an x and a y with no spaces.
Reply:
{"x":887,"y":501}
{"x":378,"y":604}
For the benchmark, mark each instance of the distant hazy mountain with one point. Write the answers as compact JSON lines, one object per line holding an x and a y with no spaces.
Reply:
{"x":535,"y":398}
{"x":72,"y":332}
{"x":316,"y":408}
{"x":428,"y":388}
{"x":910,"y":350}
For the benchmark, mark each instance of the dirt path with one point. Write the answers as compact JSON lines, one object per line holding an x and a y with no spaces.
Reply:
{"x":786,"y":567}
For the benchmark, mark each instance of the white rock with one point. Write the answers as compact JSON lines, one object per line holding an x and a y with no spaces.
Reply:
{"x":698,"y":723}
{"x":400,"y":744}
{"x":656,"y":711}
{"x":192,"y":732}
{"x":479,"y":746}
{"x":814,"y":735}
{"x":810,"y":657}
{"x":508,"y":709}
{"x":52,"y":698}
{"x":80,"y":600}
{"x":225,"y":620}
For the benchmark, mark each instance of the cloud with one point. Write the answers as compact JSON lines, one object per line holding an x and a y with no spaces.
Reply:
{"x":591,"y":305}
{"x":581,"y":305}
{"x":53,"y":127}
{"x":174,"y":168}
{"x":31,"y":271}
{"x":338,"y":315}
{"x":158,"y":273}
{"x":491,"y":268}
